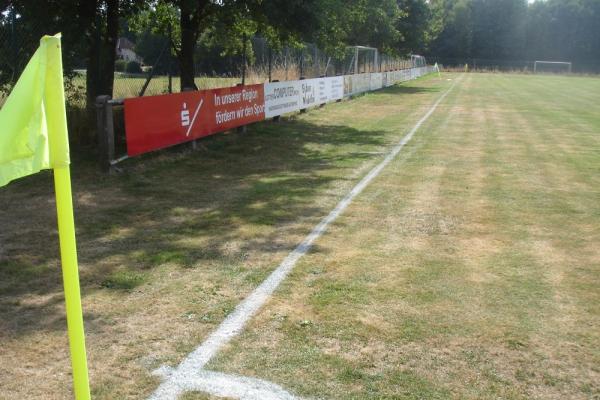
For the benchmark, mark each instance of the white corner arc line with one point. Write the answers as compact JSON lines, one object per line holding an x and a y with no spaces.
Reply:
{"x":177,"y":381}
{"x":194,"y":117}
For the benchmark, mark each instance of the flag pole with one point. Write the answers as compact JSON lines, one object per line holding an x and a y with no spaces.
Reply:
{"x":54,"y":102}
{"x":70,"y":271}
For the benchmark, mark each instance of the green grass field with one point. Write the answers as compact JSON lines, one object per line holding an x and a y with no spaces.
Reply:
{"x":469,"y":269}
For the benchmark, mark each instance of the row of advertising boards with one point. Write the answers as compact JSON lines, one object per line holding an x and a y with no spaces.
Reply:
{"x":156,"y":122}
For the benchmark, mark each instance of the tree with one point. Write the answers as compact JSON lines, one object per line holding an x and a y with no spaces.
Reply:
{"x":413,"y":26}
{"x":101,"y":33}
{"x":24,"y":22}
{"x":186,"y":20}
{"x":498,"y":28}
{"x":452,"y":28}
{"x":227,"y":22}
{"x":90,"y":30}
{"x":373,"y":23}
{"x":565,"y":30}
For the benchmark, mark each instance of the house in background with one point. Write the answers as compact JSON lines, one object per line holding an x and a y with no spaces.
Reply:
{"x":125,"y":51}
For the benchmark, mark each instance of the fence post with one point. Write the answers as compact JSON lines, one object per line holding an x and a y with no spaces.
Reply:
{"x":270,"y":61}
{"x":105,"y":132}
{"x":301,"y":64}
{"x":343,"y":79}
{"x":285,"y":62}
{"x":302,"y":110}
{"x":322,"y":104}
{"x":151,"y":73}
{"x":327,"y":66}
{"x":244,"y":60}
{"x":169,"y":59}
{"x":276,"y":118}
{"x":13,"y":45}
{"x":317,"y":64}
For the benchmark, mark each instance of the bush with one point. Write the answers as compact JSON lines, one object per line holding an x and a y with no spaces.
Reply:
{"x":133,"y":67}
{"x":120,"y":65}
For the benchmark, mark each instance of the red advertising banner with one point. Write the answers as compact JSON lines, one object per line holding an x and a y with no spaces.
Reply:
{"x":155,"y":122}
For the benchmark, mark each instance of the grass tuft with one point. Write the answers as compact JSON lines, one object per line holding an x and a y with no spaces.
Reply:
{"x":124,"y":280}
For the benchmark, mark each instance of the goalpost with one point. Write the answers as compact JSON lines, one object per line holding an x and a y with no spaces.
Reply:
{"x":552,"y":66}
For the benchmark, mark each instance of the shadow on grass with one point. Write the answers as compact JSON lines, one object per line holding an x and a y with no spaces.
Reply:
{"x":403,"y":89}
{"x":130,"y":223}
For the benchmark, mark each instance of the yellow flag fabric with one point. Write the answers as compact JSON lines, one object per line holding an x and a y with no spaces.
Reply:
{"x":26,"y":146}
{"x":33,"y":136}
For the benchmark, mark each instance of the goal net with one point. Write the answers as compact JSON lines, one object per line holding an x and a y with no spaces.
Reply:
{"x":556,"y":67}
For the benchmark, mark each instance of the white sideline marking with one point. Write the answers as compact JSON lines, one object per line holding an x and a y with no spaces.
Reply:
{"x":233,"y":386}
{"x":190,"y":369}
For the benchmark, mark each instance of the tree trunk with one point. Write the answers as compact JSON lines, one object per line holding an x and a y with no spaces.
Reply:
{"x":89,"y":11}
{"x":189,"y":36}
{"x":102,"y":39}
{"x":109,"y":45}
{"x":102,"y":42}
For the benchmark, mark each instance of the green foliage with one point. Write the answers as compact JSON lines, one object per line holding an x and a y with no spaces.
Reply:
{"x":153,"y":49}
{"x":564,"y":30}
{"x":452,"y":28}
{"x":120,"y":65}
{"x":133,"y":67}
{"x":498,"y":28}
{"x":513,"y":29}
{"x":413,"y":26}
{"x":158,"y":19}
{"x":373,"y":23}
{"x":24,"y":22}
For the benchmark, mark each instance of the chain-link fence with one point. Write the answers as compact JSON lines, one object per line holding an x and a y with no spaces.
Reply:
{"x":256,"y":62}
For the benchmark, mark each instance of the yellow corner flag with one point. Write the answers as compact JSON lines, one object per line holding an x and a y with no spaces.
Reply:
{"x":33,"y":136}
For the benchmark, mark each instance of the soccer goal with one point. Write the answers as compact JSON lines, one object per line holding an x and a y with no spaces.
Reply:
{"x":552,"y":66}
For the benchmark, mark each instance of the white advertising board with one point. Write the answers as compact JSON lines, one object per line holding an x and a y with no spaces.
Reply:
{"x":376,"y":82}
{"x":337,"y":88}
{"x":391,"y":78}
{"x":290,"y":96}
{"x":357,"y":83}
{"x":405,"y":75}
{"x":282,"y":97}
{"x":321,"y":90}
